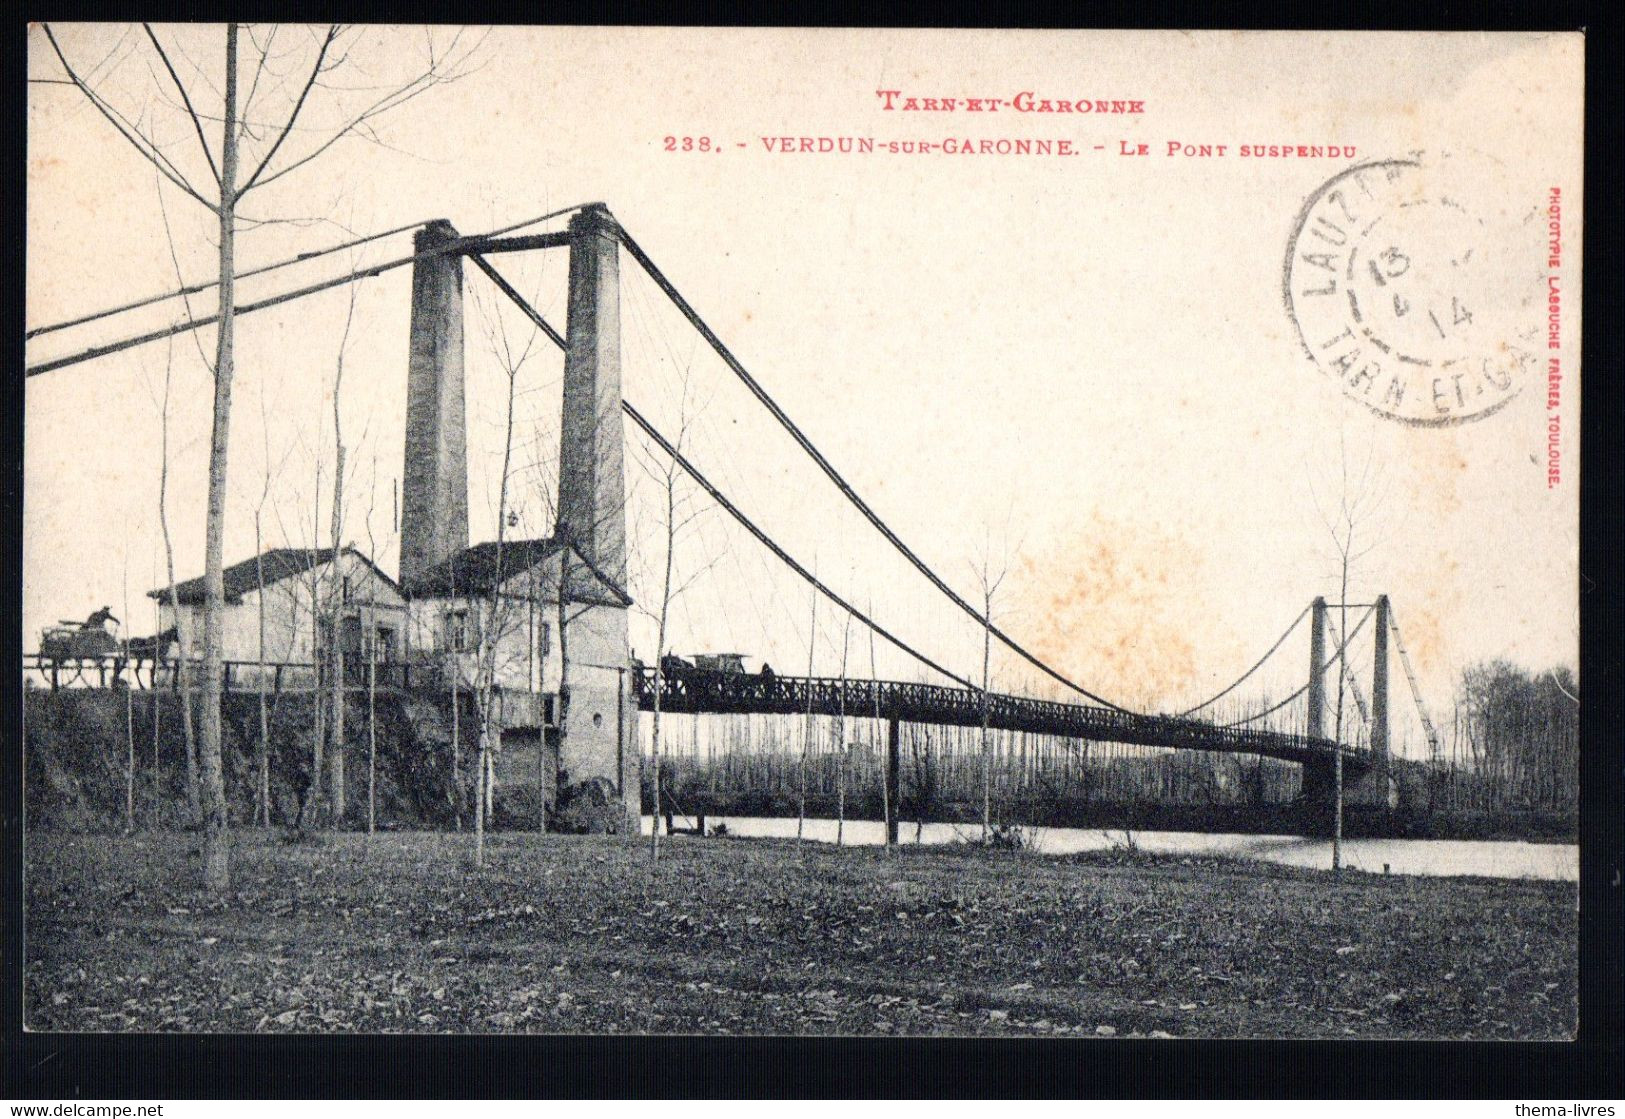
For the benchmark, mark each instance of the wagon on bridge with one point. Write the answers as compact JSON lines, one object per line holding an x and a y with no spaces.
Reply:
{"x":74,"y":647}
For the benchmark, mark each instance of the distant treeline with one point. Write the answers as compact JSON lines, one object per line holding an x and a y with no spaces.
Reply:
{"x":1514,"y":742}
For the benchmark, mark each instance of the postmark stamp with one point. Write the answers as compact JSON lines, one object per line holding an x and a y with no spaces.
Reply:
{"x":1401,"y":291}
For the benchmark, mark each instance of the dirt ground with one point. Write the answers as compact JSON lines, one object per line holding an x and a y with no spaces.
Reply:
{"x":557,"y":934}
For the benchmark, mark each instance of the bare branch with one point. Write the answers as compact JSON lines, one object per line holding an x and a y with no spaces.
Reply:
{"x":395,"y":98}
{"x":191,"y":113}
{"x":259,"y":68}
{"x":130,"y":132}
{"x":293,"y":116}
{"x":186,"y":298}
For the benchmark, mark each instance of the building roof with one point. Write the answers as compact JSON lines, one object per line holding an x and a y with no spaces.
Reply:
{"x":474,"y":570}
{"x":278,"y":563}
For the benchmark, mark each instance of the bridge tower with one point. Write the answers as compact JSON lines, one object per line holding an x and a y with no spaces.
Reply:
{"x":600,"y":738}
{"x":434,"y":481}
{"x":1377,"y":786}
{"x":1319,"y":781}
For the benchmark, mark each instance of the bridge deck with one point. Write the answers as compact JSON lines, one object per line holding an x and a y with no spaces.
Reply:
{"x":699,"y":692}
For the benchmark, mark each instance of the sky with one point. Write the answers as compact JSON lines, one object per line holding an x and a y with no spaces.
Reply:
{"x":1082,"y":369}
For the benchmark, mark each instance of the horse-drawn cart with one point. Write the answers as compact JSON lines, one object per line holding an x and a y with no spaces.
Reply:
{"x":77,"y":654}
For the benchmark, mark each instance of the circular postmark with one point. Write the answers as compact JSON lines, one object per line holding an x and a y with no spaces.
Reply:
{"x":1404,"y":292}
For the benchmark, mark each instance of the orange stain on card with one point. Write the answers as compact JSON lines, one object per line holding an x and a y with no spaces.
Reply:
{"x":1108,"y":608}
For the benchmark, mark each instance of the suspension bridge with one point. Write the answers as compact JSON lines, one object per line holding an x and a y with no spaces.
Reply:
{"x":591,"y":517}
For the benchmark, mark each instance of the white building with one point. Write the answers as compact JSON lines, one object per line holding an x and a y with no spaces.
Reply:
{"x":305,"y":593}
{"x":504,"y":602}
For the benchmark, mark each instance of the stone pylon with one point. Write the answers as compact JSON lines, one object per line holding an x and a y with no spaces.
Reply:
{"x":601,"y":732}
{"x":434,"y":478}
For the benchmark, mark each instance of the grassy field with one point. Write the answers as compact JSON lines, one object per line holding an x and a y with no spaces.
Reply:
{"x":582,"y":934}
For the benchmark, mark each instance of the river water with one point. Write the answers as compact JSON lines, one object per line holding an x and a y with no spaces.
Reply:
{"x":1559,"y":862}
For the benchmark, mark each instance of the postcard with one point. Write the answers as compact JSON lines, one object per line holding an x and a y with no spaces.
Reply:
{"x":802,"y":532}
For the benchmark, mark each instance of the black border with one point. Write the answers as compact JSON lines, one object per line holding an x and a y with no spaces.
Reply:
{"x":46,"y":1067}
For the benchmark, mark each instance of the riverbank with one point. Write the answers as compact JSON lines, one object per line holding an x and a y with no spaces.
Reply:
{"x":78,"y":752}
{"x":1557,"y":862}
{"x":1285,"y":818}
{"x":583,"y":934}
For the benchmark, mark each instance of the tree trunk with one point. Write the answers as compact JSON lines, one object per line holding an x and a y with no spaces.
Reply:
{"x":840,"y":743}
{"x":480,"y":780}
{"x":987,"y":761}
{"x":564,"y":648}
{"x":157,"y":617}
{"x":312,"y":808}
{"x":455,"y":665}
{"x":887,"y":793}
{"x":372,"y":735}
{"x":262,"y":806}
{"x":335,"y":754}
{"x":1337,"y":738}
{"x":183,"y":661}
{"x":806,"y":738}
{"x":216,"y":865}
{"x":335,"y":742}
{"x":129,"y":709}
{"x":129,"y":727}
{"x":660,"y":662}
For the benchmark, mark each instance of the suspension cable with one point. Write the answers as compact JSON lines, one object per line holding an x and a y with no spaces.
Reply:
{"x":1416,"y":691}
{"x":453,"y":246}
{"x":1352,"y":680}
{"x":1260,"y":664}
{"x":194,"y":289}
{"x":750,"y":527}
{"x":1323,"y":670}
{"x":558,"y":340}
{"x":834,"y":476}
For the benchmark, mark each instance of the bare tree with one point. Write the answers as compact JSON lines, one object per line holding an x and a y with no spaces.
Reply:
{"x":183,"y":663}
{"x":1521,"y":730}
{"x":372,"y":676}
{"x":269,"y":157}
{"x":990,"y":574}
{"x":497,"y":620}
{"x":1358,"y":500}
{"x":840,"y":739}
{"x":887,"y":793}
{"x":807,"y":733}
{"x":312,"y":805}
{"x":262,"y":759}
{"x":679,"y":510}
{"x":338,"y":585}
{"x":129,"y":707}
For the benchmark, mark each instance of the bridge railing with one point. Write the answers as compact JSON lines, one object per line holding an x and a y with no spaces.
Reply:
{"x":117,"y":670}
{"x":699,"y":691}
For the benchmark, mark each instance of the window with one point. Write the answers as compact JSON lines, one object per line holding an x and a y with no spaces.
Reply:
{"x":461,"y":634}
